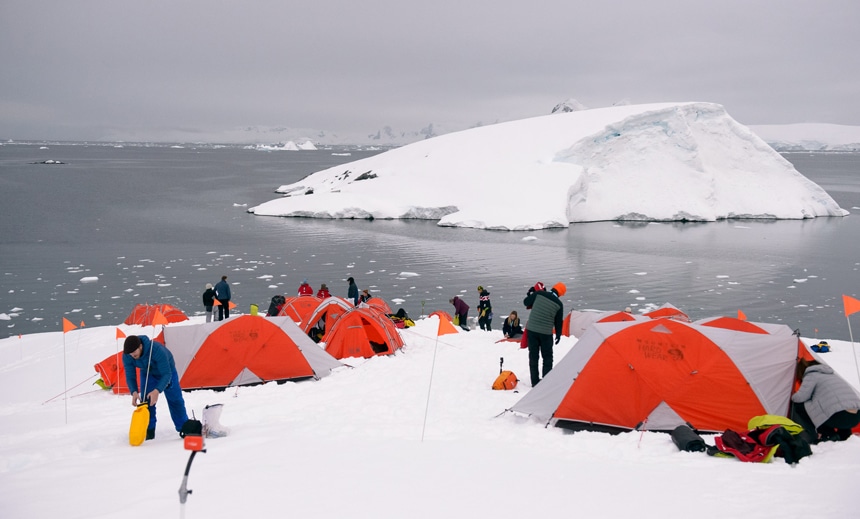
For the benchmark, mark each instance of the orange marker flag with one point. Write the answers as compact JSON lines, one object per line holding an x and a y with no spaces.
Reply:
{"x":82,"y":324}
{"x":231,"y":305}
{"x":67,"y":325}
{"x":120,"y":334}
{"x":216,"y":303}
{"x":851,"y":305}
{"x":742,"y":316}
{"x":159,"y":318}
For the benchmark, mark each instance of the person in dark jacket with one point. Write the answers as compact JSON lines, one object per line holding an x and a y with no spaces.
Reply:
{"x":222,"y":294}
{"x":157,"y":376}
{"x":365,"y":296}
{"x":831,"y":403}
{"x":545,"y":316}
{"x":352,"y":292}
{"x":485,"y":309}
{"x":461,"y":309}
{"x":209,"y":302}
{"x":511,"y":327}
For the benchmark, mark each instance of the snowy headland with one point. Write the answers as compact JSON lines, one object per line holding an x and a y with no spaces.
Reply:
{"x":653,"y":162}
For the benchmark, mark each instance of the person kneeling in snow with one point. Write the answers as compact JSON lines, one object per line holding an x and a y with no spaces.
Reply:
{"x":157,"y":374}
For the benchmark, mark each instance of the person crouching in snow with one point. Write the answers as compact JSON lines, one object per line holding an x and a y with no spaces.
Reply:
{"x":831,"y":403}
{"x":546,"y":314}
{"x":157,"y":374}
{"x":461,"y":310}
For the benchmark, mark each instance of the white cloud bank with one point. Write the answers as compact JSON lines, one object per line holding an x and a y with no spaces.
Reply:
{"x":654,"y":162}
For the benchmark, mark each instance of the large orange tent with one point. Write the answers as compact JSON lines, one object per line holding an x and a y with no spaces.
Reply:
{"x":662,"y":373}
{"x":143,"y":314}
{"x":363,"y":332}
{"x":380,"y":304}
{"x":244,"y":351}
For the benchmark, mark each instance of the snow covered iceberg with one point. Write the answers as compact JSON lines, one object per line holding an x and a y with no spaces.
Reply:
{"x":655,"y":162}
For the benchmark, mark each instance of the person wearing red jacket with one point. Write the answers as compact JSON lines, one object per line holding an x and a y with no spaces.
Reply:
{"x":305,"y":289}
{"x":323,"y":292}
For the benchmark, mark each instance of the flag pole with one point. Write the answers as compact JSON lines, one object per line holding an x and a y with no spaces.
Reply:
{"x":851,"y":306}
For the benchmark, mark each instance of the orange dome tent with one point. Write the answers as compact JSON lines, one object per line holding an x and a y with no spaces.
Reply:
{"x":363,"y":332}
{"x":143,"y":314}
{"x":577,"y":322}
{"x":246,"y":350}
{"x":299,"y":308}
{"x":329,"y":310}
{"x":662,"y":373}
{"x":379,"y":304}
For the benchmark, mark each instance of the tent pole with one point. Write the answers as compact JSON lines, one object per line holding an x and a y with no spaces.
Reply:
{"x":853,"y":348}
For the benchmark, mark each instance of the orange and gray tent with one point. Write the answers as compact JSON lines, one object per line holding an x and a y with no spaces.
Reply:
{"x":245,"y":350}
{"x":380,"y":304}
{"x":112,"y":373}
{"x":331,"y":309}
{"x":299,"y":308}
{"x":668,"y":311}
{"x":662,"y":373}
{"x":144,"y":314}
{"x":577,"y":322}
{"x":363,"y":332}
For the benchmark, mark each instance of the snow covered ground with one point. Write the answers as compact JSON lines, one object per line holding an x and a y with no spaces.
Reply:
{"x":417,"y":434}
{"x":656,"y":162}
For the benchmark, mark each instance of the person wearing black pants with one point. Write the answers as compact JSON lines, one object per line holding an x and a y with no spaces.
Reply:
{"x":546,"y":315}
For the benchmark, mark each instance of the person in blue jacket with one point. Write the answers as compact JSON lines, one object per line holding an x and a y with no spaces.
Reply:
{"x":222,"y":294}
{"x":157,"y":376}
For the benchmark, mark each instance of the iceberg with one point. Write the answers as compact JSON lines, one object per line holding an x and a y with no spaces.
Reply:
{"x":651,"y":162}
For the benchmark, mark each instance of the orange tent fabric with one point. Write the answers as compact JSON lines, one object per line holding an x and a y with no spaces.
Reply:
{"x":442,"y":315}
{"x":668,"y":311}
{"x":299,"y":308}
{"x":112,"y":373}
{"x":662,"y":373}
{"x":379,"y":304}
{"x":331,"y":309}
{"x":144,"y":314}
{"x":245,"y":350}
{"x":576,"y":322}
{"x":363,"y":332}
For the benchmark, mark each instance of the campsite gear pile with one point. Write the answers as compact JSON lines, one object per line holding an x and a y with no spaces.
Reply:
{"x":821,"y":347}
{"x":767,"y":437}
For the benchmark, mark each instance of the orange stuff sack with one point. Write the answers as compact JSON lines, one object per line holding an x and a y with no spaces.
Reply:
{"x":505,"y":380}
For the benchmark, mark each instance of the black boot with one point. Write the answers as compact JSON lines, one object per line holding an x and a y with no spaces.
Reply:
{"x":150,"y":434}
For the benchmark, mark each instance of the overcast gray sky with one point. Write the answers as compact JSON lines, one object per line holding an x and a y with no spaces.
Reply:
{"x":100,"y":69}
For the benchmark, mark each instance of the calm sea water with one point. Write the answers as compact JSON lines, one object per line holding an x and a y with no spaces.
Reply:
{"x":116,"y":226}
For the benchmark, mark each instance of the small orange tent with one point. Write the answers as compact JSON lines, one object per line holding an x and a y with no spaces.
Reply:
{"x":379,"y":304}
{"x":143,"y":314}
{"x":244,"y":351}
{"x":668,"y":311}
{"x":299,"y":308}
{"x":577,"y":322}
{"x":330,"y":310}
{"x":112,"y":373}
{"x":662,"y":373}
{"x":363,"y":332}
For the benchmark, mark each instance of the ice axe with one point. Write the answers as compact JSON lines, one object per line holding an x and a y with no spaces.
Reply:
{"x":192,"y":431}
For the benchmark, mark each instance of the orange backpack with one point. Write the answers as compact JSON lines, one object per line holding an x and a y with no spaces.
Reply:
{"x":506,"y":379}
